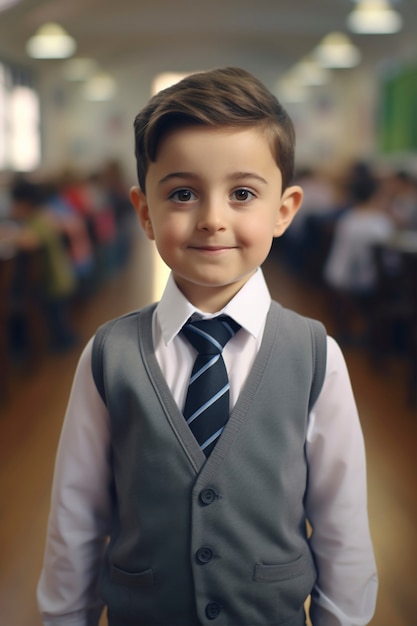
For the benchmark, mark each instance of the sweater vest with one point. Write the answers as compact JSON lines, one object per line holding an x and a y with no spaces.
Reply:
{"x":221,"y":540}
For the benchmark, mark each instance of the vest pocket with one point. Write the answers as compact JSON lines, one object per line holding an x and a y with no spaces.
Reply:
{"x":285,"y":589}
{"x":278,"y":572}
{"x":137,"y":579}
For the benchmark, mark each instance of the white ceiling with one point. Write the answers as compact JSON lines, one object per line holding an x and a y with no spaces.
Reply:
{"x":264,"y":36}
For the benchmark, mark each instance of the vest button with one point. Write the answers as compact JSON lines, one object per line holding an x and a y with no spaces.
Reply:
{"x":204,"y":555}
{"x":213,"y":610}
{"x":207,"y":496}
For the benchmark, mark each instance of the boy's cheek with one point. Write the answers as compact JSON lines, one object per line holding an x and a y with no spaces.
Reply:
{"x":167,"y":237}
{"x":259,"y":229}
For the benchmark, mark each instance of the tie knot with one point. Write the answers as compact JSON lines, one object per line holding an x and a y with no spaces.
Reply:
{"x":210,"y":336}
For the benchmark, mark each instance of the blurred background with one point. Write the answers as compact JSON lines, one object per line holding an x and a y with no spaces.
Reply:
{"x":80,"y":108}
{"x":73,"y":75}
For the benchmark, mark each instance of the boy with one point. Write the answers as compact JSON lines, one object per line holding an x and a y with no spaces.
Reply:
{"x":214,"y":530}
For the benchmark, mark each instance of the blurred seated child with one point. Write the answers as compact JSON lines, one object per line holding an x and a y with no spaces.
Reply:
{"x":319,"y":208}
{"x":401,"y":190}
{"x":58,"y":283}
{"x":349,"y":269}
{"x":74,"y":226}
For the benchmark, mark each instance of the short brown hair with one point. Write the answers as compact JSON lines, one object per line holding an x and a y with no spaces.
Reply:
{"x":229,"y":97}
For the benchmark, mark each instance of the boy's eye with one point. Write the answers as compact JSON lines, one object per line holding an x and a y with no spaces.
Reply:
{"x":243,"y":195}
{"x":182,"y":195}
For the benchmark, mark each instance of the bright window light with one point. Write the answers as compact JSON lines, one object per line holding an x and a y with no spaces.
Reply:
{"x":24,"y":129}
{"x":3,"y":133}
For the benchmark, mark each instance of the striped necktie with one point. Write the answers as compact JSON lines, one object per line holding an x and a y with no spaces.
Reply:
{"x":206,"y":407}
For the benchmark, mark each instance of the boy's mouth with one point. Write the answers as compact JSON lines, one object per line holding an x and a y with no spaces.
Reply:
{"x":211,"y":248}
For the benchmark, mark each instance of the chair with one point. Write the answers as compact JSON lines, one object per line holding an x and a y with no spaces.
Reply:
{"x":6,"y":274}
{"x":24,"y":303}
{"x":393,"y":314}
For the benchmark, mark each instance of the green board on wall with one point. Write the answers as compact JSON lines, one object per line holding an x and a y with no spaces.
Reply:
{"x":397,"y":123}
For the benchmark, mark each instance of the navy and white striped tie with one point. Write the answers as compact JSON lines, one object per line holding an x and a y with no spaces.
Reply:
{"x":207,"y":403}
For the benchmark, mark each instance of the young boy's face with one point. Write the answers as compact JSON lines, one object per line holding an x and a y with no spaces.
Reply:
{"x":213,"y":204}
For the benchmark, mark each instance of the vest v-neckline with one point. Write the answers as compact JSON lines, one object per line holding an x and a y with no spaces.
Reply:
{"x":240,"y":411}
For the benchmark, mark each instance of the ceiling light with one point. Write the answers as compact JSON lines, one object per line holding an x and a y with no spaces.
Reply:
{"x":310,"y":73}
{"x":51,"y":42}
{"x":290,"y":90}
{"x":79,"y":68}
{"x":374,"y":17}
{"x":100,"y":87}
{"x":337,"y":51}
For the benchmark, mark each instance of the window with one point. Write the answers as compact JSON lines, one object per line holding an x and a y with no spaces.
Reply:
{"x":19,"y":121}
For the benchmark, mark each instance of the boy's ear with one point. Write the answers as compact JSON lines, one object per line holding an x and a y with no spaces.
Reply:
{"x":138,"y":199}
{"x":290,"y":203}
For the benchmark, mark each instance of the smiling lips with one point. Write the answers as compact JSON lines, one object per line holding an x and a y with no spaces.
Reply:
{"x":208,"y":248}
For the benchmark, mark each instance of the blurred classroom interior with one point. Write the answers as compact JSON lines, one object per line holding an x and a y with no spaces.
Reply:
{"x":72,"y":254}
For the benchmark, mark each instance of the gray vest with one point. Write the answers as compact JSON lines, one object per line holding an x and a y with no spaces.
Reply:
{"x":219,"y":541}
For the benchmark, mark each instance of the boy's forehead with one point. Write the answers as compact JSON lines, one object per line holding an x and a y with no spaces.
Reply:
{"x":214,"y":152}
{"x":197,"y":139}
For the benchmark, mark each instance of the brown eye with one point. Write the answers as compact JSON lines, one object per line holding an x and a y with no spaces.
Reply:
{"x":182,"y":195}
{"x":243,"y":195}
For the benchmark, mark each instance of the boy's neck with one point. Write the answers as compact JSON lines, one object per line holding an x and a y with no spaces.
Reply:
{"x":213,"y":299}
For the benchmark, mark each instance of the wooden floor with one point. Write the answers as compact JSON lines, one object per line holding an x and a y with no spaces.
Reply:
{"x":31,"y":421}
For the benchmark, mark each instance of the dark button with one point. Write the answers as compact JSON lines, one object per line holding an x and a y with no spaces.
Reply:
{"x":207,"y":496}
{"x":204,"y":554}
{"x":213,"y":610}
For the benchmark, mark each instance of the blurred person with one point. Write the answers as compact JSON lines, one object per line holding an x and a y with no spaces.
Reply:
{"x":4,"y":200}
{"x":73,"y":225}
{"x":73,"y":189}
{"x":117,"y":190}
{"x":114,"y":182}
{"x":88,"y":198}
{"x":350,"y":267}
{"x":104,"y":224}
{"x":401,"y":199}
{"x":304,"y":244}
{"x":168,"y":526}
{"x":100,"y":208}
{"x":319,"y":199}
{"x":38,"y":231}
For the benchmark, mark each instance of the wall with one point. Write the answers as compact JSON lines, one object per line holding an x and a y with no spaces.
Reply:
{"x":82,"y":134}
{"x":334,"y":126}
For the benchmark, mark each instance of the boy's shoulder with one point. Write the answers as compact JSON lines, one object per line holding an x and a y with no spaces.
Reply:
{"x":279,"y":313}
{"x":125,"y":320}
{"x":313,"y":333}
{"x":122,"y":326}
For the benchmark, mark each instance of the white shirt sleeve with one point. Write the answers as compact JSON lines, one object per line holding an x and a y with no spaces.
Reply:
{"x":346,"y":588}
{"x":80,"y":509}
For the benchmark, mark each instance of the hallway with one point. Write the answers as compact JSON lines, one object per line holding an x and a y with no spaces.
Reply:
{"x":31,"y":421}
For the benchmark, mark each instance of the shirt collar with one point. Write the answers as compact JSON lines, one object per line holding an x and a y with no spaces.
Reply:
{"x":248,"y":308}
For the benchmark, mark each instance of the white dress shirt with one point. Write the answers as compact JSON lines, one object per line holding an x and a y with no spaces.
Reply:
{"x":336,"y":503}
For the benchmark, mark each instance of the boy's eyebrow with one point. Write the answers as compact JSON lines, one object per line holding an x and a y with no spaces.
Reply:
{"x":164,"y":179}
{"x":242,"y":175}
{"x":234,"y":176}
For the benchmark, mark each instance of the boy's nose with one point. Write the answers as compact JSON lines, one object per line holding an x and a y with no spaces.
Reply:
{"x":211,"y":216}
